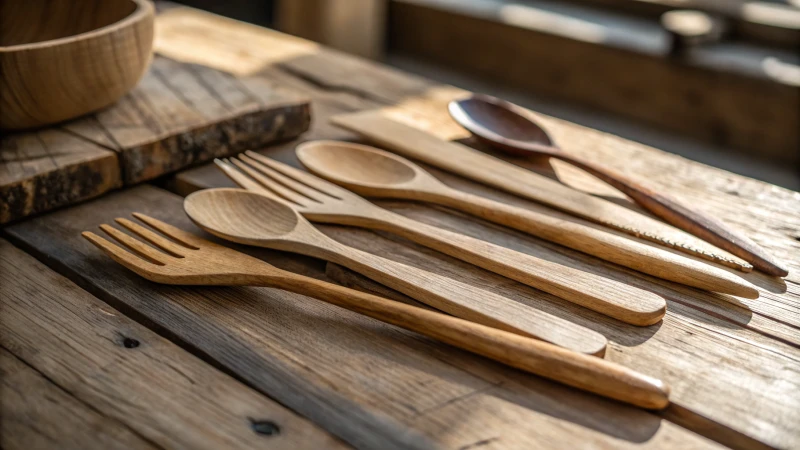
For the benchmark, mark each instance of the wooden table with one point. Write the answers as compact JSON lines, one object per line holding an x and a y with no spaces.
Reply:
{"x":95,"y":357}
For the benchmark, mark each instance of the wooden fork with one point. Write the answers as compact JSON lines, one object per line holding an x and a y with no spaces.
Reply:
{"x":186,"y":259}
{"x":321,"y":201}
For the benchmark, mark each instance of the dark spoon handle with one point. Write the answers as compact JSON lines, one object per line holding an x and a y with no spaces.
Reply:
{"x":700,"y":225}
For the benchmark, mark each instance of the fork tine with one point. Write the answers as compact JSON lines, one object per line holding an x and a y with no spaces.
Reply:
{"x":189,"y":240}
{"x":274,"y":187}
{"x":138,"y":247}
{"x":120,"y":255}
{"x":153,"y":238}
{"x":283,"y":179}
{"x":239,"y":178}
{"x":306,"y":178}
{"x":251,"y":180}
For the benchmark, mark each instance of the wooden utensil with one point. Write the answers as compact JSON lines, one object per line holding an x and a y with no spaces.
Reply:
{"x":186,"y":259}
{"x":253,"y":219}
{"x":372,"y":172}
{"x":321,"y":201}
{"x":378,"y":127}
{"x":514,"y":130}
{"x":62,"y":59}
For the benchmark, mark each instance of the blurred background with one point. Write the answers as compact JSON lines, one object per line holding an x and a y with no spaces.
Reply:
{"x":716,"y":81}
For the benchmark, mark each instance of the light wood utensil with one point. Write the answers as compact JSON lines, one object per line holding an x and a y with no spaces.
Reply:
{"x":186,"y":259}
{"x":379,"y":128}
{"x":371,"y":172}
{"x":62,"y":59}
{"x":513,"y":129}
{"x":321,"y":201}
{"x":255,"y":219}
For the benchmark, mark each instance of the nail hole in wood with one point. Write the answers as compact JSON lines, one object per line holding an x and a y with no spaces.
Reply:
{"x":130,"y":342}
{"x":265,"y":427}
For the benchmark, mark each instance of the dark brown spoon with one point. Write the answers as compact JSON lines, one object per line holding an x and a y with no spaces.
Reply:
{"x":512,"y":129}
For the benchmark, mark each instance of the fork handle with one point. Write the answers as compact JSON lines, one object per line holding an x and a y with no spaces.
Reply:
{"x":612,"y":298}
{"x":541,"y":358}
{"x":466,"y":301}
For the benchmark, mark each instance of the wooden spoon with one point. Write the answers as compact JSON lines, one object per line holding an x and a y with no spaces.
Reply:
{"x":319,"y":200}
{"x":254,"y":219}
{"x":513,"y":130}
{"x":186,"y":259}
{"x":372,"y":172}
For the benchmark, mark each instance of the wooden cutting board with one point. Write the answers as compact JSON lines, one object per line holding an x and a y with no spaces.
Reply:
{"x":178,"y":115}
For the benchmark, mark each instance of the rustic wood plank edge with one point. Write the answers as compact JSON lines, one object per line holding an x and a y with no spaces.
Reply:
{"x":22,"y":198}
{"x":37,"y":413}
{"x":223,"y":138}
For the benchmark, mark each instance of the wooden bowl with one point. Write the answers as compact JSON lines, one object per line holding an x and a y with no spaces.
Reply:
{"x":60,"y":59}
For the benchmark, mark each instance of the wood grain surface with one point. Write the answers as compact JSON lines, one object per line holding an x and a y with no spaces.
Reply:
{"x":114,"y":382}
{"x":371,"y":384}
{"x":732,"y":364}
{"x":179,"y":115}
{"x":39,"y":414}
{"x":183,"y":114}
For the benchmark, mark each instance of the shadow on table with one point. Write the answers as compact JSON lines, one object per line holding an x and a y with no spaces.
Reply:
{"x":483,"y":378}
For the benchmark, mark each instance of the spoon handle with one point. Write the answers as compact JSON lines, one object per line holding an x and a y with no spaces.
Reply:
{"x":700,"y":225}
{"x":584,"y":372}
{"x":586,"y":237}
{"x":466,"y":301}
{"x":612,"y":298}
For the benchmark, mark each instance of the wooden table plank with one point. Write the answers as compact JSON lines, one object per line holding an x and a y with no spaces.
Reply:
{"x":371,"y":384}
{"x":409,"y":391}
{"x":39,"y":414}
{"x":89,"y":375}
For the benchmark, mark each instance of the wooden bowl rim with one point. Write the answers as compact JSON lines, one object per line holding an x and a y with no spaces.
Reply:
{"x":143,"y":9}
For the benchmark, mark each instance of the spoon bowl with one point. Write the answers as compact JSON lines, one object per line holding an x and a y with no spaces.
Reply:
{"x":502,"y":125}
{"x":355,"y":164}
{"x":240,"y":216}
